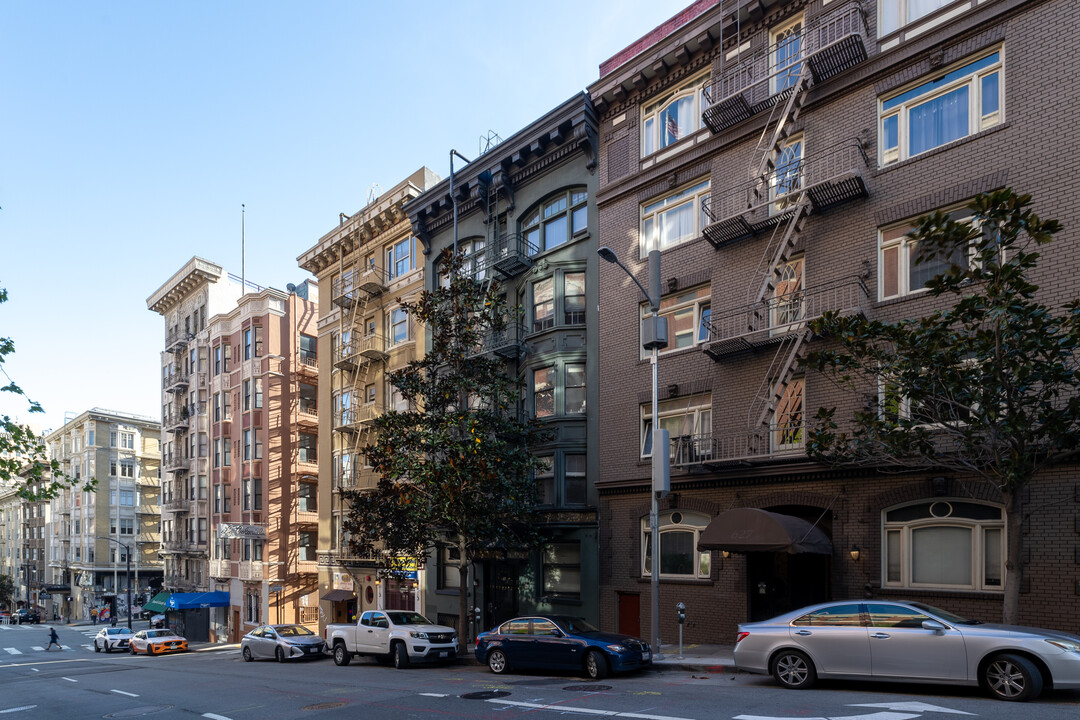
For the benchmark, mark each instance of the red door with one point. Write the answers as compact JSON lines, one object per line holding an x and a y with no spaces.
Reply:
{"x":630,"y":614}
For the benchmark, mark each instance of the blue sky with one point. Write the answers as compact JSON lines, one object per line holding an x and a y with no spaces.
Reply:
{"x":131,"y":132}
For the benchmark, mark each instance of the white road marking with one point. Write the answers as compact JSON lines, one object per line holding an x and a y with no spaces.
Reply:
{"x":18,"y":709}
{"x":912,"y":707}
{"x":13,"y":651}
{"x":35,"y":669}
{"x":212,"y":716}
{"x":68,"y":679}
{"x":434,"y":695}
{"x":590,"y":711}
{"x":38,"y":648}
{"x":871,"y":716}
{"x":121,"y":692}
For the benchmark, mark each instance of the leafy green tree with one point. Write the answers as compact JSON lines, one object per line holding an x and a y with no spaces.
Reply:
{"x":986,"y":387}
{"x":7,"y":591}
{"x":23,"y":459}
{"x":455,"y":468}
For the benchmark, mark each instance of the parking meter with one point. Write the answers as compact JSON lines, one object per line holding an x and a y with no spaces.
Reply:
{"x":681,"y":609}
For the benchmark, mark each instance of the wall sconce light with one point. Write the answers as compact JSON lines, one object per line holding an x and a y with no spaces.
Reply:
{"x":725,"y":553}
{"x":378,"y":582}
{"x":854,"y":552}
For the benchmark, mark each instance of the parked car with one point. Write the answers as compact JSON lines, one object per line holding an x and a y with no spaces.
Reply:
{"x":399,"y":636}
{"x":157,"y":621}
{"x":153,"y":642}
{"x":281,"y":642}
{"x":24,"y":615}
{"x":559,"y":641}
{"x":112,"y":638}
{"x":905,"y":642}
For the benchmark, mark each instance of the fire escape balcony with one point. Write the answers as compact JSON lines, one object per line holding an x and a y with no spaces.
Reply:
{"x":358,"y":418}
{"x":712,"y":452}
{"x":510,"y":255}
{"x":177,"y":340}
{"x":756,"y":325}
{"x":360,"y":351}
{"x":175,"y":421}
{"x":343,"y":292}
{"x":175,"y":463}
{"x":307,"y":363}
{"x":372,"y":280}
{"x":176,"y":382}
{"x":177,"y":505}
{"x":831,"y":44}
{"x":308,"y":414}
{"x":508,"y":343}
{"x":828,"y":178}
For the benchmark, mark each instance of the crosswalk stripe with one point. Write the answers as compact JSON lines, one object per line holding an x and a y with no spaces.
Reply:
{"x":13,"y":651}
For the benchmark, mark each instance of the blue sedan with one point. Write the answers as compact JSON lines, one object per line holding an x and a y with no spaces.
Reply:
{"x":560,"y":642}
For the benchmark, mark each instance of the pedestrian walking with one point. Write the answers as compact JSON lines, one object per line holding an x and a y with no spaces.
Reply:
{"x":93,"y":616}
{"x":54,"y":639}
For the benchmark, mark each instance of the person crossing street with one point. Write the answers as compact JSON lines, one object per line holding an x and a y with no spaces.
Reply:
{"x":54,"y":639}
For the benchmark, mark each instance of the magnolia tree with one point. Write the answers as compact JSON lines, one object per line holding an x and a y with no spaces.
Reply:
{"x":455,"y":469}
{"x":986,"y":387}
{"x":23,"y":460}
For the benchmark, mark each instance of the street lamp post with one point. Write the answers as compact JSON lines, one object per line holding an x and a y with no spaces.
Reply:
{"x":127,"y":577}
{"x":653,"y":337}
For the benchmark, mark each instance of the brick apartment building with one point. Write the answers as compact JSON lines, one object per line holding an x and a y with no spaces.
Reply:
{"x":776,"y":151}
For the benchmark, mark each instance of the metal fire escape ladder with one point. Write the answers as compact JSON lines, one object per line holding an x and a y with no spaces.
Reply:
{"x":770,"y":145}
{"x":791,"y":351}
{"x":777,"y":252}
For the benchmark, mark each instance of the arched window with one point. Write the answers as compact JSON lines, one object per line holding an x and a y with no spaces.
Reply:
{"x":673,"y":116}
{"x":679,"y":556}
{"x":555,"y":220}
{"x":951,"y":544}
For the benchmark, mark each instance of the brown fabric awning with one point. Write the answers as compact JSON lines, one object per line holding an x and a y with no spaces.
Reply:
{"x":754,"y":530}
{"x":337,"y":595}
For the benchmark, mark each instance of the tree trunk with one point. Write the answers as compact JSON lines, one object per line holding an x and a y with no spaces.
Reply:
{"x":463,"y":596}
{"x":1014,"y":520}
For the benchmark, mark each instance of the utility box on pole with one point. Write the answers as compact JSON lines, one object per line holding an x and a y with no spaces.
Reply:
{"x":661,"y":468}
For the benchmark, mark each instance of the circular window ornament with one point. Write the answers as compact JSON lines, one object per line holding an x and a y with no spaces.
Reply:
{"x":676,"y":518}
{"x":941,"y":509}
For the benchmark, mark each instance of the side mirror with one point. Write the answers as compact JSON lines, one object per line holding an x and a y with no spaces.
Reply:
{"x":933,"y":625}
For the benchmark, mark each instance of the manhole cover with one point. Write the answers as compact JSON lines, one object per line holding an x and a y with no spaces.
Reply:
{"x":485,"y":695}
{"x":324,"y":706}
{"x":139,"y":711}
{"x":587,"y":688}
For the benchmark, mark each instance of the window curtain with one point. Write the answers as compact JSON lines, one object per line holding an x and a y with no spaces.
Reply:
{"x":941,"y":555}
{"x":677,"y":224}
{"x":939,"y":121}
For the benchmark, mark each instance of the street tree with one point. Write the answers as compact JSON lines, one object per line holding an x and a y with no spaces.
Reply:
{"x":455,"y":468}
{"x":24,"y":463}
{"x":7,"y":591}
{"x":985,"y":387}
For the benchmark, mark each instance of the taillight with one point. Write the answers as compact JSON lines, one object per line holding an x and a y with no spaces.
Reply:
{"x":740,"y":637}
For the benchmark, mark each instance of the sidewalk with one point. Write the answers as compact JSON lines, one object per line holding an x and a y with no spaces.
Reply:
{"x":696,"y":658}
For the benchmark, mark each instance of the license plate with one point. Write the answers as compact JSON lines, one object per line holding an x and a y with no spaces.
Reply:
{"x":646,"y":656}
{"x":444,"y":653}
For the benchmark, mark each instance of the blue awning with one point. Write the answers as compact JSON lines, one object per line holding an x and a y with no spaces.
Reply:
{"x":190,"y":601}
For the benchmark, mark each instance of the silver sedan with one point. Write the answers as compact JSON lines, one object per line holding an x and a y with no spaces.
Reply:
{"x":905,"y":642}
{"x":281,"y":642}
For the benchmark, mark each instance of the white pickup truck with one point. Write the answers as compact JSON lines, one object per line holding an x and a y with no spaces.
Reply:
{"x":400,"y":636}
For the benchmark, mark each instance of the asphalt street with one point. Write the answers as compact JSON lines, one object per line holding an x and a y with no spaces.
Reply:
{"x":218,"y":684}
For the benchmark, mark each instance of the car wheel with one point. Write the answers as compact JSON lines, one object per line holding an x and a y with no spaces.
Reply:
{"x":1012,"y":677}
{"x":596,"y":665}
{"x":131,"y":649}
{"x":279,"y":655}
{"x":793,"y":670}
{"x":96,"y":648}
{"x":149,"y":649}
{"x":401,"y":656}
{"x":497,"y":662}
{"x":248,"y":657}
{"x":108,"y":647}
{"x":341,"y":655}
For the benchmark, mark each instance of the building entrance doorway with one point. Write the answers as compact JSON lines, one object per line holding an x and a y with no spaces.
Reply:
{"x":630,"y":614}
{"x":500,"y":591}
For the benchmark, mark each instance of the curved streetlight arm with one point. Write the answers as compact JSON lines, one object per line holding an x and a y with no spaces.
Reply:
{"x":654,"y":271}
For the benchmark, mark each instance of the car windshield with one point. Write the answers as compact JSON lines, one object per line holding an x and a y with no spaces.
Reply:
{"x":945,"y":614}
{"x":407,"y":618}
{"x":158,"y":633}
{"x":292,"y":630}
{"x":576,"y":625}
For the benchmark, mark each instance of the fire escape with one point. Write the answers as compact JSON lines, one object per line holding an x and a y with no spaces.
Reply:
{"x":783,"y":189}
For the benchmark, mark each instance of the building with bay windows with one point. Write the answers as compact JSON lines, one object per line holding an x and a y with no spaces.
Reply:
{"x":526,"y":219}
{"x":370,"y":262}
{"x":777,"y":152}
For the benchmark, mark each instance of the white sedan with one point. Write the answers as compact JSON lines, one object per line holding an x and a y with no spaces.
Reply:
{"x":112,"y":638}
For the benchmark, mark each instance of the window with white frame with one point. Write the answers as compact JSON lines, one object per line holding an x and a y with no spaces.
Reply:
{"x":682,"y":417}
{"x":674,"y":115}
{"x":399,"y":257}
{"x":545,"y":481}
{"x":127,"y":526}
{"x":786,"y":178}
{"x":574,"y":298}
{"x":674,"y":219}
{"x":574,"y":394}
{"x":787,"y":425}
{"x":474,"y":261}
{"x":679,"y":556}
{"x":785,"y":54}
{"x":787,"y":306}
{"x":946,"y":544}
{"x":688,"y":314}
{"x":397,"y":326}
{"x":543,"y":304}
{"x":898,"y":273}
{"x":894,"y":14}
{"x":544,"y":392}
{"x":127,"y":440}
{"x":556,"y":220}
{"x":956,"y":103}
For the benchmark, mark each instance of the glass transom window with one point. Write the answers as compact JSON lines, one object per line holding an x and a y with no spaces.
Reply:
{"x":953,"y":105}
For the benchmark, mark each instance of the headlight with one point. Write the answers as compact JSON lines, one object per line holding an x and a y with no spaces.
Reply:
{"x":617,"y":648}
{"x":1066,"y":645}
{"x":418,"y":634}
